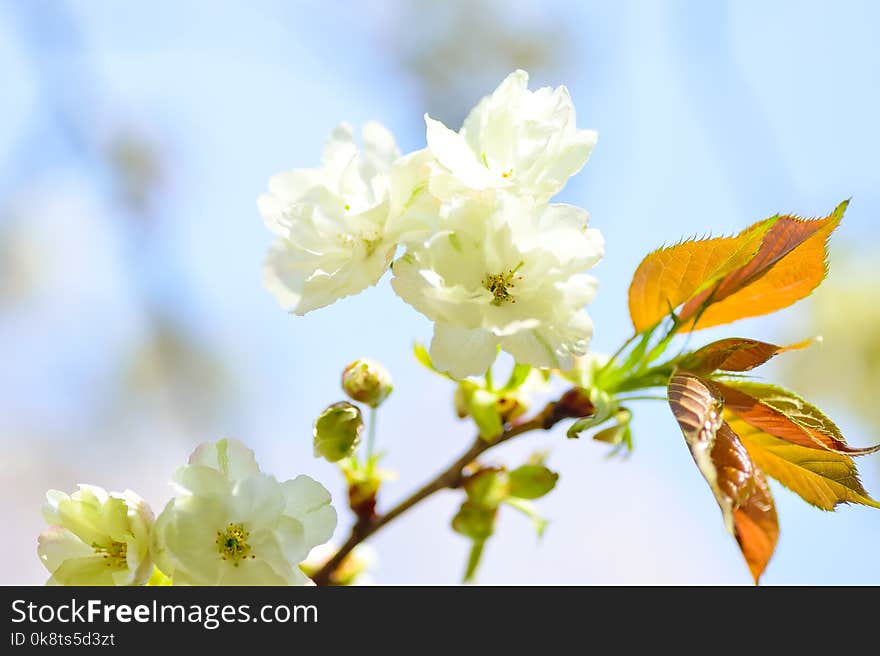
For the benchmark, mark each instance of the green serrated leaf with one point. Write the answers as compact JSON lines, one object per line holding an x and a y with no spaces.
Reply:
{"x":786,"y":415}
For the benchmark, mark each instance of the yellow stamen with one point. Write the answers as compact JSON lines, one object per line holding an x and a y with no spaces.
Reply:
{"x":232,"y":543}
{"x":115,"y":554}
{"x":500,"y":285}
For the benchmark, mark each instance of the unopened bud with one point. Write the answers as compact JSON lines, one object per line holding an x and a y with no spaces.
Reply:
{"x":532,"y":481}
{"x":338,"y":431}
{"x":487,"y":487}
{"x":366,"y":381}
{"x":474,"y":521}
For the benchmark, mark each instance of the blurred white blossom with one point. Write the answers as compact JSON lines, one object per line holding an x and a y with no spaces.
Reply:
{"x":354,"y":568}
{"x":516,"y":139}
{"x":96,"y":538}
{"x":339,"y":225}
{"x":230,"y":524}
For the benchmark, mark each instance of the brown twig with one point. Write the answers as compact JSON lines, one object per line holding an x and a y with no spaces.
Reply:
{"x":572,"y":404}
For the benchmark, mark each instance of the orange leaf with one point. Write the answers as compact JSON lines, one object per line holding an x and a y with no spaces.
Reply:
{"x":785,"y":415}
{"x":821,"y":478}
{"x":670,"y":276}
{"x":733,"y":354}
{"x":757,"y":525}
{"x":740,"y":488}
{"x":788,"y":266}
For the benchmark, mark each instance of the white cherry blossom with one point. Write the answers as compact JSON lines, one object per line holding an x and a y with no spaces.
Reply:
{"x":338,"y":225}
{"x":96,"y":538}
{"x":231,"y":524}
{"x":516,"y":139}
{"x":504,"y":273}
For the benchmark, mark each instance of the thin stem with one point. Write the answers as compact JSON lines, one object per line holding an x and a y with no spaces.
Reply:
{"x":656,"y":376}
{"x":617,"y":354}
{"x":371,"y":438}
{"x":660,"y":348}
{"x":624,"y":399}
{"x":450,"y":478}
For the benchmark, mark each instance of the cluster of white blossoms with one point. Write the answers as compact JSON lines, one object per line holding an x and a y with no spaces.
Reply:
{"x":486,"y":256}
{"x":228,"y":524}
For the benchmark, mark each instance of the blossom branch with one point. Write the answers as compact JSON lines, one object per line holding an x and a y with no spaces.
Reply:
{"x":572,"y":404}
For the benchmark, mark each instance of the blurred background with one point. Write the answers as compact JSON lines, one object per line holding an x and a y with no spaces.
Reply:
{"x":135,"y":137}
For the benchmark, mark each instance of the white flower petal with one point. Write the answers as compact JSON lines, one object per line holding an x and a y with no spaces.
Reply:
{"x":309,"y":502}
{"x":201,"y":480}
{"x":562,"y":231}
{"x":339,"y":148}
{"x":260,"y":499}
{"x":87,"y":571}
{"x":531,"y":347}
{"x":291,"y":536}
{"x":184,"y":536}
{"x":525,"y":141}
{"x":228,"y":456}
{"x":291,"y":186}
{"x":380,"y":148}
{"x":579,"y":290}
{"x":83,"y":519}
{"x":570,"y":159}
{"x":252,"y":572}
{"x":461,"y":352}
{"x":57,"y":544}
{"x":50,"y":507}
{"x":453,"y":152}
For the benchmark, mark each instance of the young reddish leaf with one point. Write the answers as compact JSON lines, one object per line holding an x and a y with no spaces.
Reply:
{"x":785,"y":415}
{"x":757,"y":525}
{"x":821,"y":478}
{"x":733,"y":354}
{"x":788,"y":266}
{"x":670,"y":276}
{"x":738,"y":485}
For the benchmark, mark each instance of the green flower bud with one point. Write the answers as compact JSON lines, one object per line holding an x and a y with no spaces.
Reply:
{"x":366,"y":381}
{"x":474,"y":521}
{"x":338,"y":431}
{"x":531,"y":481}
{"x":480,"y":404}
{"x":487,"y":487}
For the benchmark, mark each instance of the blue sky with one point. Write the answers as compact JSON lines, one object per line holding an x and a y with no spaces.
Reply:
{"x":710,"y":116}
